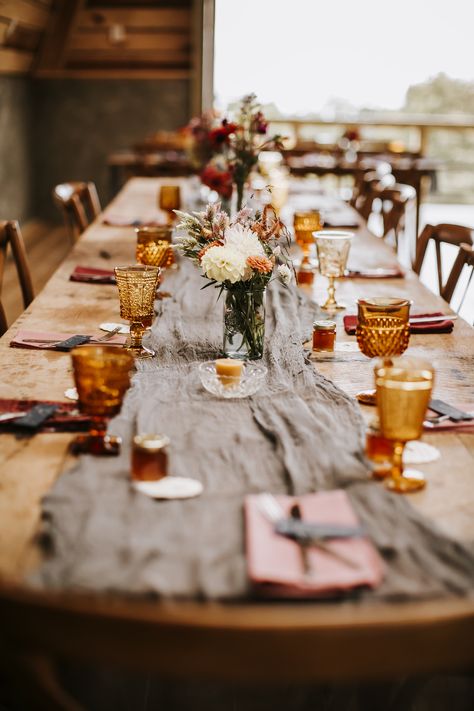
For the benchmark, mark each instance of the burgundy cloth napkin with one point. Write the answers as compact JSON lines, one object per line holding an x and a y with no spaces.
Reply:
{"x":340,"y":221}
{"x":274,"y":562}
{"x":90,"y":275}
{"x":350,"y":324}
{"x":65,"y":419}
{"x":389,"y":273}
{"x":449,"y":425}
{"x":21,"y":339}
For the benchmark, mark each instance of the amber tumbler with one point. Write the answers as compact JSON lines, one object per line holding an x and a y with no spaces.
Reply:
{"x":383,"y":327}
{"x":102,"y":376}
{"x":154,"y":246}
{"x":137,"y":286}
{"x":304,"y":224}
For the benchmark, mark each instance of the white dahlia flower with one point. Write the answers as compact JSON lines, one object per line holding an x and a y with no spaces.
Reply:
{"x":285,"y":274}
{"x":225,"y":264}
{"x":244,"y":240}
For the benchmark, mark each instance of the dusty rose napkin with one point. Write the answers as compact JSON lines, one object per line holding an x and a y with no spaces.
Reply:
{"x":90,"y":275}
{"x":449,"y":425}
{"x":22,"y":339}
{"x":350,"y":324}
{"x":389,"y":273}
{"x":65,"y":419}
{"x":274,"y":562}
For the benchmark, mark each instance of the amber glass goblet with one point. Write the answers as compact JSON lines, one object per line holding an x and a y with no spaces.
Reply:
{"x":169,"y":199}
{"x":403,"y":392}
{"x":333,"y":248}
{"x":154,"y":246}
{"x":304,"y":224}
{"x":102,"y":376}
{"x":137,"y":287}
{"x":383,"y":330}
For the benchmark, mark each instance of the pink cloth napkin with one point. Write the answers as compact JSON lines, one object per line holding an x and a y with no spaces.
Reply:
{"x":90,"y":275}
{"x":350,"y":324}
{"x":449,"y":425}
{"x":274,"y":562}
{"x":21,"y":339}
{"x":389,"y":273}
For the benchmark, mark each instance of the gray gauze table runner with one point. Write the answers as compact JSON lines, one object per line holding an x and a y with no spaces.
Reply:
{"x":298,"y":434}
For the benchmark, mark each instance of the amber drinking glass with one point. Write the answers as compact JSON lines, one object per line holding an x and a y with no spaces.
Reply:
{"x":304,"y":224}
{"x":383,"y":329}
{"x":169,"y":199}
{"x":403,"y":392}
{"x":333,"y":248}
{"x":137,"y":287}
{"x":154,"y":246}
{"x":102,"y":376}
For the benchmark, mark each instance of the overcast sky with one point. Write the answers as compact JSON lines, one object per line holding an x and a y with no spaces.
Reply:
{"x":301,"y":53}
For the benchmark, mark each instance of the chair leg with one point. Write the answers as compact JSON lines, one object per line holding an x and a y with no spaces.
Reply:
{"x":35,"y":681}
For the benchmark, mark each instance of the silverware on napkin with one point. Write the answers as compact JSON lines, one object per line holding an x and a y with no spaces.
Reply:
{"x":107,"y":337}
{"x":273,"y":512}
{"x":453,"y":413}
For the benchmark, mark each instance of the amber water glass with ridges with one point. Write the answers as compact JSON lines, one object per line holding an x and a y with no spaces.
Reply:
{"x":137,"y":287}
{"x":102,"y":376}
{"x":403,"y":392}
{"x":383,"y":327}
{"x":154,"y":246}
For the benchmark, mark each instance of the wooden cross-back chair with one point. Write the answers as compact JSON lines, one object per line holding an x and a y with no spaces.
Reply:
{"x":444,"y":234}
{"x":10,"y":236}
{"x":79,"y":204}
{"x":367,"y":189}
{"x":395,"y":200}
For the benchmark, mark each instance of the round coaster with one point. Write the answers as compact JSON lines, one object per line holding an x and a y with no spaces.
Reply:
{"x":420,"y":453}
{"x":124,"y":328}
{"x":171,"y":487}
{"x":71,"y":394}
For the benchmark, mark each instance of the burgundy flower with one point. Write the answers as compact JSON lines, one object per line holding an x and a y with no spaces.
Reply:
{"x":218,"y":180}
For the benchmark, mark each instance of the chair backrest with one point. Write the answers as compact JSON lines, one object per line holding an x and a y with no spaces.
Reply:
{"x":79,"y":204}
{"x":368,"y":189}
{"x":395,"y":200}
{"x":444,"y":234}
{"x":10,"y":235}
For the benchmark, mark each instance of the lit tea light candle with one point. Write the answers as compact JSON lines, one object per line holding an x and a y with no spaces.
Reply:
{"x":229,"y":371}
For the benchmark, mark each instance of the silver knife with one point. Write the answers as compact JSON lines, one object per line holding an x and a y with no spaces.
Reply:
{"x":444,"y":408}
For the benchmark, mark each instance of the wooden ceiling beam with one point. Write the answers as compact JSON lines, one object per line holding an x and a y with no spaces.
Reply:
{"x":61,"y":24}
{"x":160,"y":18}
{"x":34,"y":14}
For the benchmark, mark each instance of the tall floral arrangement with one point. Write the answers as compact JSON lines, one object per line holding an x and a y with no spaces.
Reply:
{"x":239,"y":257}
{"x":225,"y":152}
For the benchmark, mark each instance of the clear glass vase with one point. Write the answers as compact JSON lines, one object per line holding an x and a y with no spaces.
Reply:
{"x":244,"y":323}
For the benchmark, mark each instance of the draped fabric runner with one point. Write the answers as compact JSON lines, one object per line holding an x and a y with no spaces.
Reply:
{"x":299,"y":433}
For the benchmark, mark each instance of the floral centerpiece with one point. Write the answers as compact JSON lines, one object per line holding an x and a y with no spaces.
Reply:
{"x":226,"y":152}
{"x":239,"y":257}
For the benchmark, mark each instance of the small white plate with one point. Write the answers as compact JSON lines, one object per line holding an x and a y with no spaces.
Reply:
{"x":124,"y":328}
{"x":171,"y":487}
{"x":71,"y":394}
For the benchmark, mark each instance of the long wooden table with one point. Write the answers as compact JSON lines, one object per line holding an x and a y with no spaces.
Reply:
{"x":249,"y":641}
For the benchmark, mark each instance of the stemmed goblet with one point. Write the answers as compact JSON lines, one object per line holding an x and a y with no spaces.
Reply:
{"x":404,"y":388}
{"x":169,"y":199}
{"x":383,"y":330}
{"x":137,"y":286}
{"x":102,"y":376}
{"x":333,"y":248}
{"x":304,"y":225}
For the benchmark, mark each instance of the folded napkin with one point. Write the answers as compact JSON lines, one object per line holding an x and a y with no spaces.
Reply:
{"x":344,"y":219}
{"x":112,"y":221}
{"x":379,"y":273}
{"x":350,"y":324}
{"x":90,"y":275}
{"x":274,"y":562}
{"x":449,"y":425}
{"x":65,"y":419}
{"x":22,"y":339}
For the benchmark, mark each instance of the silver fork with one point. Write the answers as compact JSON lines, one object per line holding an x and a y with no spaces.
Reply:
{"x":102,"y":339}
{"x":272,"y":510}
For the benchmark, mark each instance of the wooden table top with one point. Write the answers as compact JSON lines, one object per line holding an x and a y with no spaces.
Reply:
{"x":30,"y":466}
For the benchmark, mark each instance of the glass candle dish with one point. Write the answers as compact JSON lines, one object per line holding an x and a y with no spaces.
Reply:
{"x":246,"y":383}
